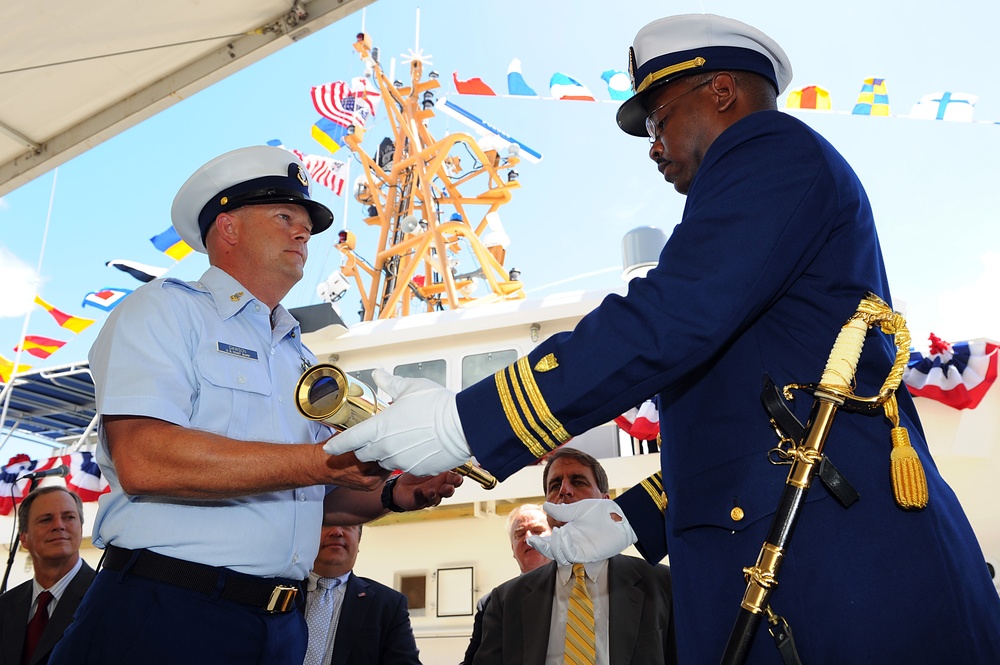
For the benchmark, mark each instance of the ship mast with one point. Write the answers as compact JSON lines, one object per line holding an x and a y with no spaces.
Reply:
{"x":413,"y":190}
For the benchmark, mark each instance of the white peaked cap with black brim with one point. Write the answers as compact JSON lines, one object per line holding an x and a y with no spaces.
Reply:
{"x":677,"y":46}
{"x":258,"y":175}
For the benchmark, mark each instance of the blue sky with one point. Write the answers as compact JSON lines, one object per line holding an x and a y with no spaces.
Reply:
{"x":932,"y":184}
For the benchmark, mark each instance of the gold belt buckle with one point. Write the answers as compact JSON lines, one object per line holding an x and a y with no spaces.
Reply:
{"x":281,"y":599}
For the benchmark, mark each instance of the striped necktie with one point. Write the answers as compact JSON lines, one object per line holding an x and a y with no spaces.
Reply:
{"x":580,"y":649}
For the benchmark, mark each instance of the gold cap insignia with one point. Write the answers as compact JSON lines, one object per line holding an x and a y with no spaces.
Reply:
{"x":547,"y":363}
{"x":301,"y":175}
{"x":224,"y":201}
{"x":236,"y":296}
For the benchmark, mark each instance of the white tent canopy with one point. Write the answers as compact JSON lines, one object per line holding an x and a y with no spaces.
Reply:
{"x":74,"y":74}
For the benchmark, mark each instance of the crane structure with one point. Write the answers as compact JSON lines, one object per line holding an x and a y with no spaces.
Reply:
{"x":417,"y":193}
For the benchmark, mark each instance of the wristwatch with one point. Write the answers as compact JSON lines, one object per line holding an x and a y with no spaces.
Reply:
{"x":387,"y":501}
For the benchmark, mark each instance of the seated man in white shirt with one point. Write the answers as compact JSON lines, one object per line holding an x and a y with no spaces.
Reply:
{"x":625,"y":616}
{"x":34,"y":615}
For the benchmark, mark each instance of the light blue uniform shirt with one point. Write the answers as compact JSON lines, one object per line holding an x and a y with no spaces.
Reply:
{"x":203,"y":355}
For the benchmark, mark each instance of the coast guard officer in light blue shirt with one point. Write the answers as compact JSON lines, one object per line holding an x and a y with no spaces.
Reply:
{"x":218,"y":484}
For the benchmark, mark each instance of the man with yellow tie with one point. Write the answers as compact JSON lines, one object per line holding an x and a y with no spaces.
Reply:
{"x":614,"y":611}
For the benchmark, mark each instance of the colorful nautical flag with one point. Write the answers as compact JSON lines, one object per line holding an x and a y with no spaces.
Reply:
{"x":873,"y":99}
{"x":809,"y":97}
{"x":958,"y":375}
{"x":106,"y":299}
{"x":141,"y":271}
{"x":516,"y":85}
{"x":473,"y":86}
{"x":40,"y":347}
{"x":170,"y":243}
{"x":619,"y":84}
{"x":7,"y":369}
{"x":329,"y":134}
{"x":565,"y":87}
{"x":347,"y":103}
{"x":68,"y":321}
{"x":953,"y":106}
{"x":641,"y":423}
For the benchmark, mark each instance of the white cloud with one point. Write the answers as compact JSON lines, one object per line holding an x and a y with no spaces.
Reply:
{"x":18,"y":279}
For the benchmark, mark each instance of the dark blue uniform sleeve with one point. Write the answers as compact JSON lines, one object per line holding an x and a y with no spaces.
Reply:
{"x":644,"y":506}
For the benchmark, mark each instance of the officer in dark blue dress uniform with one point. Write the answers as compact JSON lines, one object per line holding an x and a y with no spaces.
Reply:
{"x":775,"y":249}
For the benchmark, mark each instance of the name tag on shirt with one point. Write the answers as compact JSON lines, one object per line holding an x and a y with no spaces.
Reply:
{"x":237,"y":351}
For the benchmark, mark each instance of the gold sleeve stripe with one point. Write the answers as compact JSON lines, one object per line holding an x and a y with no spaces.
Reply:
{"x":529,"y":418}
{"x":654,"y":487}
{"x":510,"y":410}
{"x":538,"y":402}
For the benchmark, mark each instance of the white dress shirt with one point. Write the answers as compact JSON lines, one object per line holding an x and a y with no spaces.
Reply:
{"x":56,"y":590}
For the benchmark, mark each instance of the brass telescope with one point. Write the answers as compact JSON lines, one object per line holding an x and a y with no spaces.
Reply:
{"x":327,"y":393}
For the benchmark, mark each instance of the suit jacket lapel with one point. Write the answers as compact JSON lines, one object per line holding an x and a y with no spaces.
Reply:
{"x":536,"y":613}
{"x":352,"y":617}
{"x":62,"y":616}
{"x":14,"y":623}
{"x":625,"y":611}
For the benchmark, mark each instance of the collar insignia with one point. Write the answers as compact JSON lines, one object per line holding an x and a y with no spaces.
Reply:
{"x":236,"y":296}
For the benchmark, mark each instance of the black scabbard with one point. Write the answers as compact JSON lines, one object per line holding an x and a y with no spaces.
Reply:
{"x":762,"y":577}
{"x":748,"y":622}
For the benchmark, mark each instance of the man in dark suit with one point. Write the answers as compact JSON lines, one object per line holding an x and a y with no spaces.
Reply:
{"x":526,"y":618}
{"x":34,"y":615}
{"x":353,"y":619}
{"x":526,"y":520}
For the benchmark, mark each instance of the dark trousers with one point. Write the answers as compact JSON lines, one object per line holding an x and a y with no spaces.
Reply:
{"x":132,"y":620}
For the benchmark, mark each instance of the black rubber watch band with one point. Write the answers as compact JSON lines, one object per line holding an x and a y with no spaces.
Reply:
{"x":387,"y":501}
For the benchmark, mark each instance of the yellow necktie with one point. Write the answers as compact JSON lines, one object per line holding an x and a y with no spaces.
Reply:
{"x":580,"y":649}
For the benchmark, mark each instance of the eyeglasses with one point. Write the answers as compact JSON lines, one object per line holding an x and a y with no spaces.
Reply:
{"x":654,"y":127}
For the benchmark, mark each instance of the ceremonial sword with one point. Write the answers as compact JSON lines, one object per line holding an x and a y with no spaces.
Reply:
{"x":834,"y":391}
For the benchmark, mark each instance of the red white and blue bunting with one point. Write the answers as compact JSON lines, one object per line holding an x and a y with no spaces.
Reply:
{"x":958,"y":375}
{"x":641,"y":423}
{"x":84,"y":477}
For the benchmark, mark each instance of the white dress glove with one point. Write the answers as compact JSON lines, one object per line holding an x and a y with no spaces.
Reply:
{"x":420,"y":432}
{"x":595,"y":529}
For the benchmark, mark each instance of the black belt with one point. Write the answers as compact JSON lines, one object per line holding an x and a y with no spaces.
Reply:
{"x":268,"y":594}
